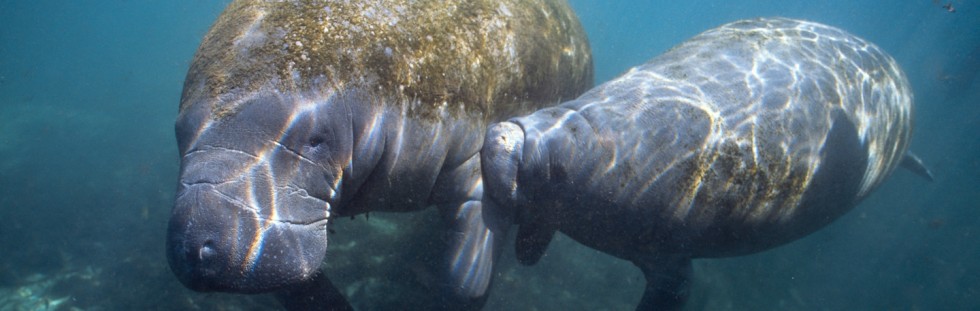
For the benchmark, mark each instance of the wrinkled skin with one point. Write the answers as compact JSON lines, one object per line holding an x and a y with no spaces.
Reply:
{"x":743,"y":138}
{"x":296,"y":113}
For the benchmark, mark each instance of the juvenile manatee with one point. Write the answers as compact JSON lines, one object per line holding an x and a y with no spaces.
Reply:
{"x":295,"y":113}
{"x":743,"y":138}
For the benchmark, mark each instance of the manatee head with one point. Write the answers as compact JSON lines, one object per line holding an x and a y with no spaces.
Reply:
{"x":256,"y":190}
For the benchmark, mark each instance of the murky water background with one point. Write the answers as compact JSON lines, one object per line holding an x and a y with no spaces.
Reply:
{"x":88,"y":167}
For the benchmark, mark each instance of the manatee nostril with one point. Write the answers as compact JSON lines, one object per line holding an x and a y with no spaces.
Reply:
{"x":206,"y":252}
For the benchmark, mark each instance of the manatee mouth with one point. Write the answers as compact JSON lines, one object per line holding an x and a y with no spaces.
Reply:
{"x":219,"y":242}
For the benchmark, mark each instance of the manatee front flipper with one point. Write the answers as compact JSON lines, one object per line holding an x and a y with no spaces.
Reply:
{"x":473,"y":237}
{"x":913,"y":163}
{"x":668,"y":283}
{"x":317,"y":293}
{"x":471,"y":255}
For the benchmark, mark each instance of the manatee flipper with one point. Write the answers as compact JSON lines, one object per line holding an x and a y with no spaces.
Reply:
{"x":473,"y":238}
{"x":913,"y":163}
{"x":668,"y":283}
{"x":532,"y":241}
{"x":317,"y":293}
{"x":472,"y":251}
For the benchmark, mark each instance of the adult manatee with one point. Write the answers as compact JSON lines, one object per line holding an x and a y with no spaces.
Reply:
{"x":745,"y":137}
{"x":295,"y":113}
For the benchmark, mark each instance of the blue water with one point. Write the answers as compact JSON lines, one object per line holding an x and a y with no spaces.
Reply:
{"x":88,"y":167}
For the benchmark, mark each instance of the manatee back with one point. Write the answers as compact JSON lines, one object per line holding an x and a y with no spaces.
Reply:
{"x":489,"y":59}
{"x":786,"y":76}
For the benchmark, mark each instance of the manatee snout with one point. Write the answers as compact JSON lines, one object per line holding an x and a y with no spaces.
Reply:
{"x":195,"y":243}
{"x":253,"y":198}
{"x":530,"y":161}
{"x":502,"y":153}
{"x":220,"y":238}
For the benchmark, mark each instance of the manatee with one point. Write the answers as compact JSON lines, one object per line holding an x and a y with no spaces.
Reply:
{"x":745,"y":137}
{"x":297,"y":113}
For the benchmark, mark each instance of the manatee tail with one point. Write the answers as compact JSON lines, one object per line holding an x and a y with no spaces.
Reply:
{"x":317,"y":293}
{"x":668,"y":283}
{"x":913,"y":163}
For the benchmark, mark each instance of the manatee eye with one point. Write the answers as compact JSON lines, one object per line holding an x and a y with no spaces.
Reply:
{"x":316,"y":141}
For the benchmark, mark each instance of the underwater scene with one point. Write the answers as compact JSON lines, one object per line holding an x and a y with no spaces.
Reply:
{"x":90,"y":167}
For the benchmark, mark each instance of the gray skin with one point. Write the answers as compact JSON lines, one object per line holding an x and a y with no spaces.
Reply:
{"x":296,"y":113}
{"x":743,"y":138}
